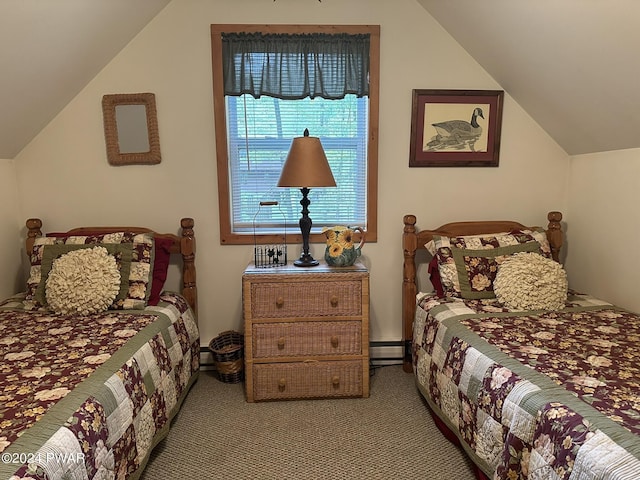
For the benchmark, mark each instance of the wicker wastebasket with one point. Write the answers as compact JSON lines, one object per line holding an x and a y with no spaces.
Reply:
{"x":228,"y":354}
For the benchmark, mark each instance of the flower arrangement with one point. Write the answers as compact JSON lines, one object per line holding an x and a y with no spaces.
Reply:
{"x":529,"y":281}
{"x":83,"y":281}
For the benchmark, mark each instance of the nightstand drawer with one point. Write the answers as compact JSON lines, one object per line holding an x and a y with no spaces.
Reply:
{"x":307,"y":338}
{"x":279,"y":381}
{"x":306,"y":299}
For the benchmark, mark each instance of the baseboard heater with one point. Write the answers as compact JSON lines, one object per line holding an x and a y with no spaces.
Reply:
{"x":388,"y":352}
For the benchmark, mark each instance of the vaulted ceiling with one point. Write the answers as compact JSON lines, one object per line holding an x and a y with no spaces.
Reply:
{"x":573,"y":65}
{"x":50,"y":50}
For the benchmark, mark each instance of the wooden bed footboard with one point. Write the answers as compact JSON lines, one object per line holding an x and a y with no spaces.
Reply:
{"x":414,"y":241}
{"x":185,"y":245}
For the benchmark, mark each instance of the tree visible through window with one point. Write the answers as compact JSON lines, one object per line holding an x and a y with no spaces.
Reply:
{"x":254,"y":129}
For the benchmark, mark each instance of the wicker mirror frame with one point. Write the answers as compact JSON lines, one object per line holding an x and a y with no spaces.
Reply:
{"x":114,"y":156}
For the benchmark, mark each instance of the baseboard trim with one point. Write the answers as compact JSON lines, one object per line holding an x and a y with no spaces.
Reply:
{"x":386,"y":352}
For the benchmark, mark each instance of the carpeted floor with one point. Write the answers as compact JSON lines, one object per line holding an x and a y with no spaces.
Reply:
{"x":390,"y":435}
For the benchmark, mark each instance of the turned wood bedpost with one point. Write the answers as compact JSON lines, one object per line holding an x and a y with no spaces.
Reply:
{"x":188,"y":251}
{"x":554,"y":234}
{"x":34,"y":226}
{"x":409,"y":287}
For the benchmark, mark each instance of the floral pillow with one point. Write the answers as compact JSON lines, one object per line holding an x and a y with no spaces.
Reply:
{"x":442,"y":249}
{"x":477,"y":269}
{"x":161,"y":259}
{"x":121,"y":253}
{"x":140,"y":268}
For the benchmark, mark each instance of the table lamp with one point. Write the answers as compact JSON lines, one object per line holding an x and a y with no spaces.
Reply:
{"x":306,"y":166}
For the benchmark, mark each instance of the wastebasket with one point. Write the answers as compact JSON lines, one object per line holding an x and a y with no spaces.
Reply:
{"x":228,"y":354}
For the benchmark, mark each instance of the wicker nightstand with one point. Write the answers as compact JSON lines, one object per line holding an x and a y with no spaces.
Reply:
{"x":306,"y":332}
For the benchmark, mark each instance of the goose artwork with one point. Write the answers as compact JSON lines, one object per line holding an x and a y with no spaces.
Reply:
{"x":456,"y":134}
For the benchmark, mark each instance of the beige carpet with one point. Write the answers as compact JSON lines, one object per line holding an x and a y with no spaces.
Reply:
{"x":390,"y":435}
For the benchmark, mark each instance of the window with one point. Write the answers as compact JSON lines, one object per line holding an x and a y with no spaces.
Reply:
{"x":254,"y":132}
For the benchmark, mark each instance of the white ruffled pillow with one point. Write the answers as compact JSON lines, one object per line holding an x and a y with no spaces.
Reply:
{"x":529,"y":281}
{"x":83,"y":281}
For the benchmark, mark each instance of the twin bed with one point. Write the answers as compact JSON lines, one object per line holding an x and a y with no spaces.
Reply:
{"x":89,"y":383}
{"x":542,"y":392}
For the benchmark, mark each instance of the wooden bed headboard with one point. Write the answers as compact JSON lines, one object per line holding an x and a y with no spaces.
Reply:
{"x":414,"y":241}
{"x":185,"y":245}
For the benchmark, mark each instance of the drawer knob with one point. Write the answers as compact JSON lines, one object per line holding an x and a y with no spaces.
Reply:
{"x":279,"y":302}
{"x":281,"y":343}
{"x":335,"y":381}
{"x":282,"y":383}
{"x":334,"y":301}
{"x":335,"y":341}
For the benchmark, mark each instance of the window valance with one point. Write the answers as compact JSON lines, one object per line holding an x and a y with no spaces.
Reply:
{"x":296,"y":66}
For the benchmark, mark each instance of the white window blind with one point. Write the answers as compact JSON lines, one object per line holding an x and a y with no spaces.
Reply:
{"x":260,"y":132}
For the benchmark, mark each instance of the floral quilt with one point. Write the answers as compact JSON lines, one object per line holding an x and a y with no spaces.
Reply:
{"x":88,"y":396}
{"x":536,"y":394}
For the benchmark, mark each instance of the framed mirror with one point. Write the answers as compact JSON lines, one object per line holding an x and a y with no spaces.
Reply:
{"x":131,"y":129}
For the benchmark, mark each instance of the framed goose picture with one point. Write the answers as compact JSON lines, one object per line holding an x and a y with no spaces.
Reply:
{"x":455,"y":128}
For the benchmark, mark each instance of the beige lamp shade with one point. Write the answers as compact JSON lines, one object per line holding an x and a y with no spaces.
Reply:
{"x":306,"y":165}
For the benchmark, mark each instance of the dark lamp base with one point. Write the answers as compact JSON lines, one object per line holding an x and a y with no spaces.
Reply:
{"x":306,"y":260}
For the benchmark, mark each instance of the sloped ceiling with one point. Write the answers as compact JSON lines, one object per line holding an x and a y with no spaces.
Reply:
{"x":573,"y":65}
{"x":50,"y":50}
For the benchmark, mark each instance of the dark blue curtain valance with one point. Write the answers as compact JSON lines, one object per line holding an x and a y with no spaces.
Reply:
{"x":295,"y":66}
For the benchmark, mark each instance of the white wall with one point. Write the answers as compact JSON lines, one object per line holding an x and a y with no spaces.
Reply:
{"x":603,"y":226}
{"x":11,"y":234}
{"x":64,"y":177}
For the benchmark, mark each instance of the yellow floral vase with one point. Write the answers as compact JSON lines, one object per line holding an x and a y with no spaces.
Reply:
{"x":340,"y":251}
